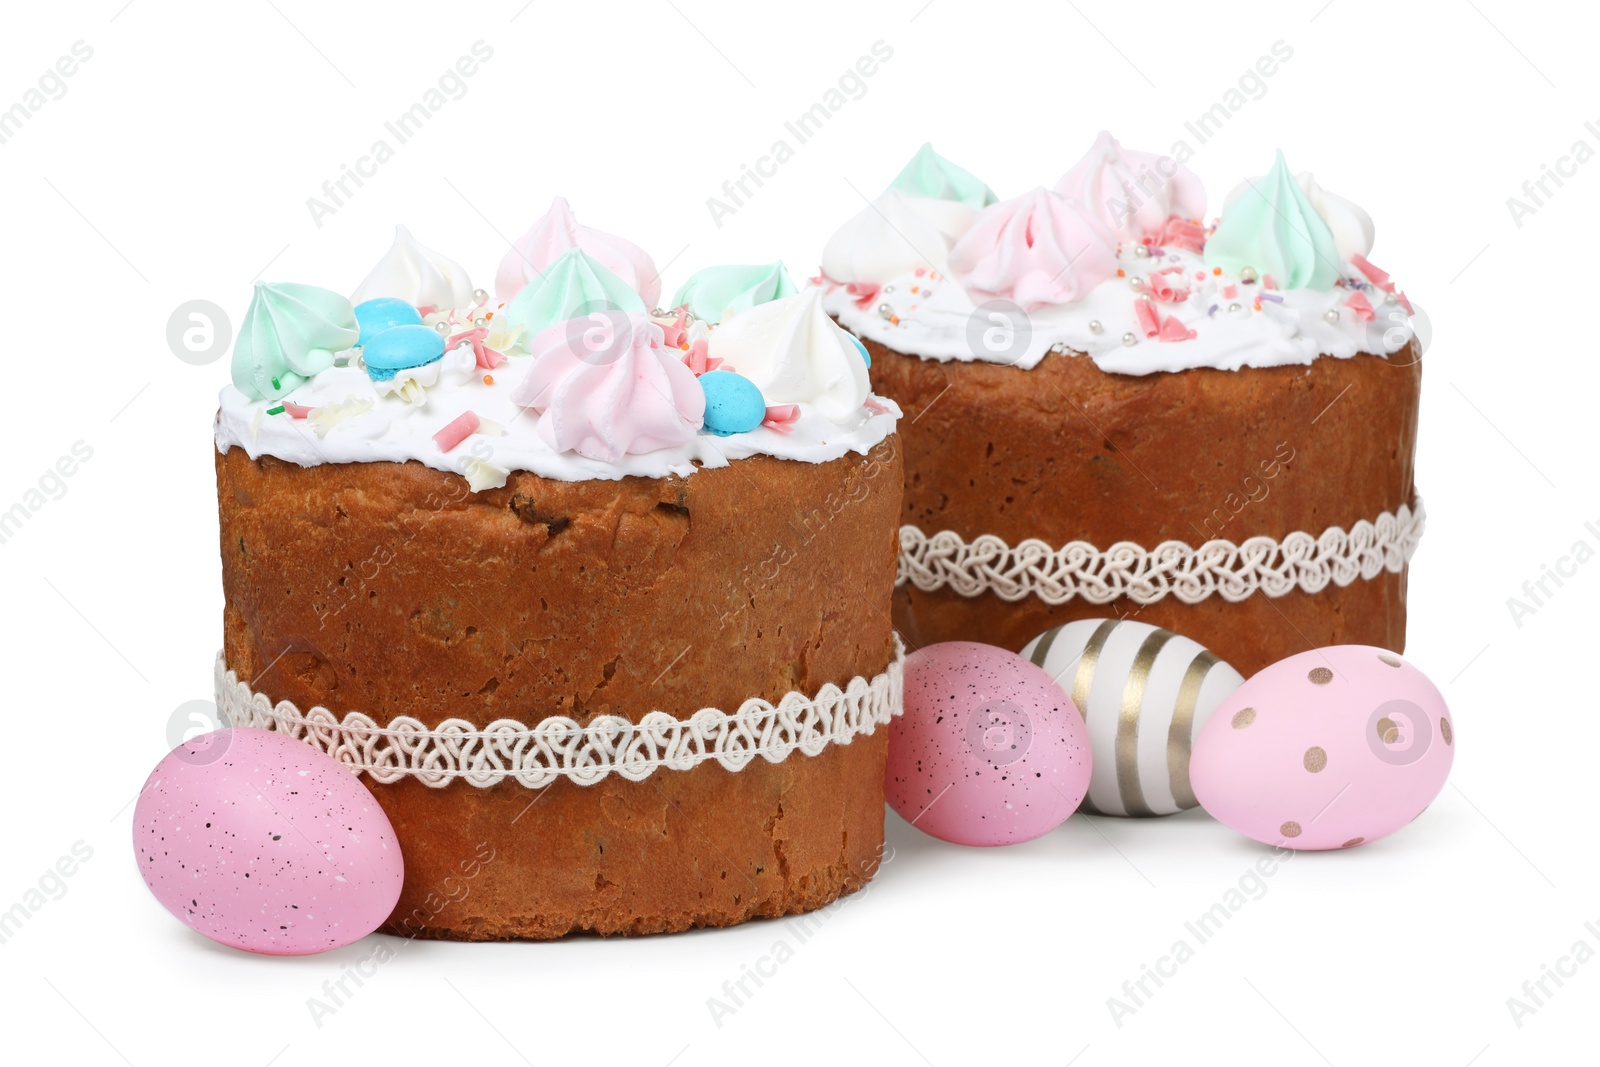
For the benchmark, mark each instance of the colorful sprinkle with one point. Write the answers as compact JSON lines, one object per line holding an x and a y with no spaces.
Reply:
{"x":1173,"y":330}
{"x":456,"y":430}
{"x":1365,"y":265}
{"x":1149,"y":318}
{"x":782,"y":417}
{"x":864,"y":293}
{"x":1359,"y":303}
{"x":698,"y":360}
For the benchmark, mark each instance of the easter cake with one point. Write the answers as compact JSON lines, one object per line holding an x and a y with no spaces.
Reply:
{"x":1116,"y":408}
{"x":592,"y":596}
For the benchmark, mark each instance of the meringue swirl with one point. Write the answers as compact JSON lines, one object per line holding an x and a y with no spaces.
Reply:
{"x":717,"y":293}
{"x":417,"y":275}
{"x":1037,"y":249}
{"x":1352,"y":229}
{"x":1274,"y":229}
{"x":289,"y":333}
{"x":605,"y":386}
{"x":796,"y":354}
{"x":1133,"y":193}
{"x":558,"y":233}
{"x":930,"y":175}
{"x":893,"y":235}
{"x":574,"y":285}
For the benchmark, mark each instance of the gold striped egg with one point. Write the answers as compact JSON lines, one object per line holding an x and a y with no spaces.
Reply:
{"x":1144,"y":693}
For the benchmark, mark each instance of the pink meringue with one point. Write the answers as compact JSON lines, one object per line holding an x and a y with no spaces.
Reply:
{"x":1134,"y":193}
{"x":558,"y":233}
{"x":1037,"y":249}
{"x":605,"y":386}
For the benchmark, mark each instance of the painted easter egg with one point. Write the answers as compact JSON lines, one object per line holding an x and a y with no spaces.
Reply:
{"x":733,"y":403}
{"x":1145,"y":693}
{"x":1331,"y":748}
{"x":382,"y":313}
{"x":989,"y":751}
{"x":263,"y":843}
{"x":401,"y":348}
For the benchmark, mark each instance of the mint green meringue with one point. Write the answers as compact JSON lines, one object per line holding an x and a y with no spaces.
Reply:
{"x":930,"y":174}
{"x":718,"y":293}
{"x":1272,"y":227}
{"x":290,"y":333}
{"x":574,"y":284}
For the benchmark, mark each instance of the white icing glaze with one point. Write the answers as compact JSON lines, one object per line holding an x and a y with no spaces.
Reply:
{"x":374,"y":426}
{"x":936,"y":321}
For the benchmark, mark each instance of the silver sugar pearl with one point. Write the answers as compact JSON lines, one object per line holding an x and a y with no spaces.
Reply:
{"x":480,"y":322}
{"x":1129,"y":340}
{"x":1095,"y":327}
{"x":443,"y":328}
{"x":1141,"y":252}
{"x":884,"y":310}
{"x":657,"y":313}
{"x":479,"y":296}
{"x":1235,"y":307}
{"x":887,"y":289}
{"x":1248,"y":275}
{"x":1332,"y":315}
{"x":1136,"y":281}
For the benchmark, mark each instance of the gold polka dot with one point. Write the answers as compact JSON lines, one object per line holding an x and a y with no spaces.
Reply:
{"x":1393,"y":661}
{"x":1388,"y":730}
{"x":1353,"y":842}
{"x":1320,"y":676}
{"x":1290,"y":829}
{"x":1446,"y":731}
{"x":1315,"y":759}
{"x":1244,"y":718}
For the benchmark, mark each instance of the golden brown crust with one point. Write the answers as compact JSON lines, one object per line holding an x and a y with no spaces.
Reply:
{"x":1067,"y":452}
{"x":390,"y":589}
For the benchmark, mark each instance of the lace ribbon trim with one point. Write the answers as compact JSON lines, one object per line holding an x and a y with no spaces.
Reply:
{"x":1172,"y":568}
{"x":558,"y":747}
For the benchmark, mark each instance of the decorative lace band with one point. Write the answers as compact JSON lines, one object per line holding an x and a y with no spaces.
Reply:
{"x":558,"y":747}
{"x":1219,"y":568}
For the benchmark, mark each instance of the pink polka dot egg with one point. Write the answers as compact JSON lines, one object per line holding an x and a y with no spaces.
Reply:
{"x":1328,"y":749}
{"x":990,"y":751}
{"x":263,"y":843}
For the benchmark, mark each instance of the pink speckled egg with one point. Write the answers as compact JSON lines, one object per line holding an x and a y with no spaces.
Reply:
{"x":261,"y":842}
{"x":1327,"y":749}
{"x":989,"y":751}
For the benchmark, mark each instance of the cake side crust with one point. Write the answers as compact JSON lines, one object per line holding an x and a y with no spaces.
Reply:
{"x":388,"y":589}
{"x":1066,"y":452}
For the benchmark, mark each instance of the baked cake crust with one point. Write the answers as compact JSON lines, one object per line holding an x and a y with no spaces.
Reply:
{"x":393,"y":590}
{"x":1066,"y":452}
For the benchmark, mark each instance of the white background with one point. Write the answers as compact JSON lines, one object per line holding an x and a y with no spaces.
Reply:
{"x":176,"y":166}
